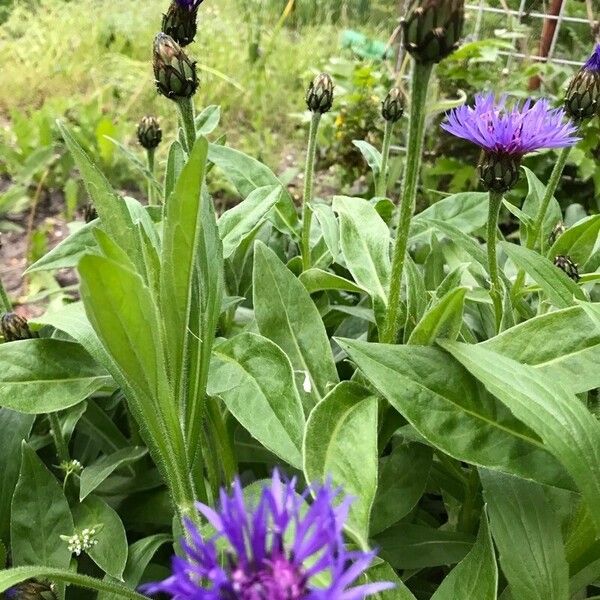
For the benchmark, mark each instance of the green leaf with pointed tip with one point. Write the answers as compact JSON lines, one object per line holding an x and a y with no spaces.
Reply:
{"x":329,"y":227}
{"x":476,"y":576}
{"x":255,"y":380}
{"x":93,"y":475}
{"x":578,"y":241}
{"x":286,"y":314}
{"x":208,"y":120}
{"x":47,"y":375}
{"x":527,"y":532}
{"x":452,"y":412}
{"x":15,"y":428}
{"x":532,"y":204}
{"x":557,"y":285}
{"x":370,"y":154}
{"x":442,"y":320}
{"x":317,"y":280}
{"x":559,"y":344}
{"x":40,"y":515}
{"x":365,"y":242}
{"x":569,"y":431}
{"x":175,"y":164}
{"x":239,"y":221}
{"x":341,"y":442}
{"x":11,"y":577}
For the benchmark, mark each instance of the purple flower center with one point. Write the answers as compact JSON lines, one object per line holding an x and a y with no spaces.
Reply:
{"x":276,"y":579}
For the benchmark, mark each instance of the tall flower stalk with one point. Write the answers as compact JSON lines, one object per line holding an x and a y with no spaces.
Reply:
{"x":505,"y":134}
{"x":149,"y":135}
{"x":432,"y":30}
{"x":392,"y":109}
{"x":319,"y":99}
{"x":281,"y":550}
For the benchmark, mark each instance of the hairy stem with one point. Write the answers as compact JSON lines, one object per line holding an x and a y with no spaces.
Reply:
{"x":150,"y":154}
{"x":62,"y":450}
{"x":382,"y":181}
{"x":492,"y":226}
{"x":186,"y":110}
{"x":416,"y":134}
{"x":309,"y":173}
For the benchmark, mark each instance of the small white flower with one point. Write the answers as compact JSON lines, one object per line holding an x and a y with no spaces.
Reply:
{"x":81,"y":541}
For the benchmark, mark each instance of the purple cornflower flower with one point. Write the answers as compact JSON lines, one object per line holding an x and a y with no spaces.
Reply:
{"x":516,"y":131}
{"x":275,"y":552}
{"x":593,"y":62}
{"x":506,"y":134}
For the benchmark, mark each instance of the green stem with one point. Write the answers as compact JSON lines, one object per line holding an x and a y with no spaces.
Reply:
{"x":309,"y":174}
{"x":495,"y":203}
{"x":62,"y":449}
{"x":381,"y":188}
{"x":150,"y":155}
{"x":186,"y":111}
{"x":416,"y":135}
{"x":538,"y":225}
{"x":5,"y":303}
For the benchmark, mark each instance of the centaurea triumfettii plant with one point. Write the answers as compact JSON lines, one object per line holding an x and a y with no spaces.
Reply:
{"x":505,"y":134}
{"x":392,"y":109}
{"x":319,"y":100}
{"x":432,"y":31}
{"x":149,"y":136}
{"x":281,"y":550}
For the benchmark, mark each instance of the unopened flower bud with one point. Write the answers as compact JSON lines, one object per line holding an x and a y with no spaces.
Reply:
{"x":558,"y":230}
{"x":564,"y":263}
{"x":583,"y":96}
{"x":14,"y":328}
{"x":89,"y":212}
{"x":149,"y":133}
{"x":180,"y":21}
{"x":433,"y":28}
{"x":32,"y":590}
{"x":499,"y":172}
{"x":174,"y":72}
{"x":392,"y":108}
{"x":319,"y":96}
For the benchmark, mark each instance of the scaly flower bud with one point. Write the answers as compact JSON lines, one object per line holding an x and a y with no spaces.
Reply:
{"x":89,"y":212}
{"x":32,"y":590}
{"x":564,"y":263}
{"x":433,"y":28}
{"x":174,"y":72}
{"x":14,"y":328}
{"x":149,"y":133}
{"x":499,"y":172}
{"x":319,"y":96}
{"x":583,"y":96}
{"x":180,"y":21}
{"x":392,"y":108}
{"x":558,"y":230}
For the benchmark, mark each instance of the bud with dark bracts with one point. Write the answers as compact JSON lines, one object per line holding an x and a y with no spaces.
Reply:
{"x":174,"y":72}
{"x":319,"y":96}
{"x":392,"y":107}
{"x":14,"y":328}
{"x":180,"y":21}
{"x":433,"y":28}
{"x":564,"y":263}
{"x":149,"y":133}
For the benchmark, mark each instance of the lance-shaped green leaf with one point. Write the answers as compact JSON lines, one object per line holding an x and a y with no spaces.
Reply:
{"x":47,"y":375}
{"x":11,"y":577}
{"x":286,"y":314}
{"x":110,"y":550}
{"x":93,"y":475}
{"x":476,"y":576}
{"x":242,"y":219}
{"x":329,"y":227}
{"x":527,"y":532}
{"x":208,"y":120}
{"x":557,"y":285}
{"x":365,"y":242}
{"x":442,"y":320}
{"x":560,"y":344}
{"x":40,"y":515}
{"x":532,"y":204}
{"x":370,"y":154}
{"x":341,"y":442}
{"x":175,"y":164}
{"x":15,"y":428}
{"x":578,"y":241}
{"x":255,"y":380}
{"x":567,"y":428}
{"x":452,"y":412}
{"x":317,"y":280}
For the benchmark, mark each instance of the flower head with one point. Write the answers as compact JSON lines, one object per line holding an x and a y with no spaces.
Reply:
{"x":277,"y":551}
{"x":174,"y":72}
{"x":13,"y":327}
{"x":180,"y":21}
{"x":149,"y":133}
{"x":319,"y":96}
{"x":582,"y":100}
{"x":515,"y":131}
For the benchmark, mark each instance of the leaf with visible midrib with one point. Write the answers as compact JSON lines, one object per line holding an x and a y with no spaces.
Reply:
{"x":449,"y":409}
{"x":569,"y":431}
